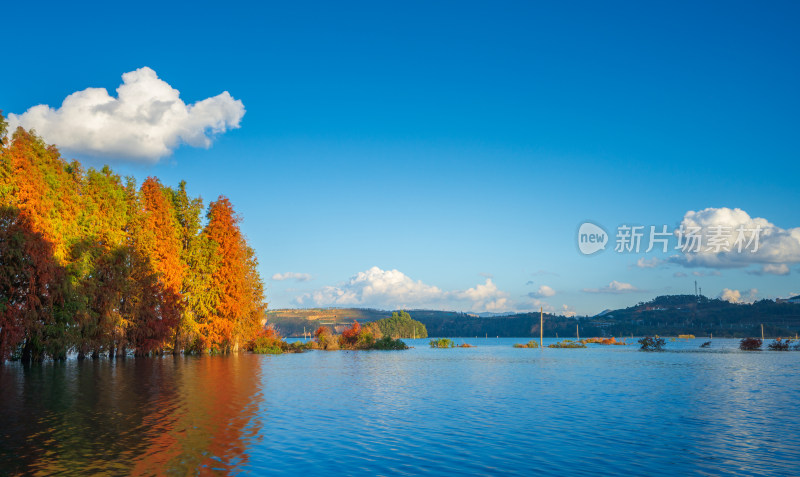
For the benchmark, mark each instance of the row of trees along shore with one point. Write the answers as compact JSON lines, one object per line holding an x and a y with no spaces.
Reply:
{"x":92,"y":264}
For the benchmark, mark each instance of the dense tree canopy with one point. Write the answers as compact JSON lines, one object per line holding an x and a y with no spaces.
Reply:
{"x":401,"y":325}
{"x":93,"y":264}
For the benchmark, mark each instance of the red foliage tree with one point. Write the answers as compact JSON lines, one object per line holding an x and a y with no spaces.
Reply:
{"x":227,"y":288}
{"x":350,"y":335}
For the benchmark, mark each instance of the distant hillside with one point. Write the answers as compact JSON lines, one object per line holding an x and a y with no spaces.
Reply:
{"x":668,"y":315}
{"x":674,"y":314}
{"x":292,"y":322}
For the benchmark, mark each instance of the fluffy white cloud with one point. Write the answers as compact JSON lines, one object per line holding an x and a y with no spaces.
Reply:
{"x":544,"y":291}
{"x":300,"y":277}
{"x":732,"y":296}
{"x":146,"y":121}
{"x":735,"y":296}
{"x":486,"y":297}
{"x":614,"y":287}
{"x":771,"y":269}
{"x":392,"y":289}
{"x":775,"y":245}
{"x":567,"y":311}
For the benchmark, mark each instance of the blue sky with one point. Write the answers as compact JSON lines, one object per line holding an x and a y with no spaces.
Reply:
{"x":458,"y":143}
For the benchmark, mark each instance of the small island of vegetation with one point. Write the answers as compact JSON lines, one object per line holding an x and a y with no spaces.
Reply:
{"x":567,"y":344}
{"x":356,"y":337}
{"x":401,"y":325}
{"x":650,"y":343}
{"x":442,"y":343}
{"x":529,"y":344}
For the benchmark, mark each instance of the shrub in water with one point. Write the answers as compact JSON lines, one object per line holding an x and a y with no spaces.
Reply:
{"x":268,"y":341}
{"x":650,"y":343}
{"x":779,"y":345}
{"x":350,"y":336}
{"x":387,"y":343}
{"x":442,"y":343}
{"x":750,"y":344}
{"x":529,"y":344}
{"x":325,"y":339}
{"x":567,"y":344}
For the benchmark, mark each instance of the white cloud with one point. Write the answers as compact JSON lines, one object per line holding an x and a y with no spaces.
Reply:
{"x":771,"y":269}
{"x":486,"y":297}
{"x":146,"y":121}
{"x":536,"y":304}
{"x":543,"y":292}
{"x":732,"y":296}
{"x":300,"y":277}
{"x":735,"y":296}
{"x":567,"y":311}
{"x":644,"y":263}
{"x":614,"y":287}
{"x":775,"y":245}
{"x":392,"y":289}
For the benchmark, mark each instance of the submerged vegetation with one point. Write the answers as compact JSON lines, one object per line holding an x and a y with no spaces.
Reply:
{"x":604,"y":341}
{"x":650,"y":343}
{"x":780,"y":345}
{"x":750,"y":344}
{"x":442,"y":343}
{"x":567,"y":344}
{"x":356,"y":337}
{"x":94,"y":264}
{"x":529,"y":344}
{"x":268,"y":341}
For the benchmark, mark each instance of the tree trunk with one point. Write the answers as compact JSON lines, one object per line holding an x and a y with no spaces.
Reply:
{"x":175,"y":349}
{"x":26,"y":352}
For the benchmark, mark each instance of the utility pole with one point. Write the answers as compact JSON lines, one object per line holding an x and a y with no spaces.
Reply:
{"x":541,"y":327}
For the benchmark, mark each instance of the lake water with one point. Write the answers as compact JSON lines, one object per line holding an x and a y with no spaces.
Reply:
{"x":488,"y":410}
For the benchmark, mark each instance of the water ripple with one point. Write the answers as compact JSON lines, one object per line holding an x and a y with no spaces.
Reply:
{"x":479,"y":411}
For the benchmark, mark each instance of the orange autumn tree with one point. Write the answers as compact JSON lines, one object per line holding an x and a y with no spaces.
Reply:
{"x":157,"y":263}
{"x":90,"y":263}
{"x":163,"y":247}
{"x":235,"y":288}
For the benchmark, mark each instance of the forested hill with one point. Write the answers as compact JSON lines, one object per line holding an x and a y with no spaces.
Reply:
{"x":95,"y":264}
{"x":665,"y":315}
{"x":674,"y":314}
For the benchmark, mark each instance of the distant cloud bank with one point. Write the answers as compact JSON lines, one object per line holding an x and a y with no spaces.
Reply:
{"x":145,"y":122}
{"x":735,"y":296}
{"x":298,"y":277}
{"x":392,"y":289}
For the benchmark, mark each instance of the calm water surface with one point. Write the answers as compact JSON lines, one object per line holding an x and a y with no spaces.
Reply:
{"x":480,"y":411}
